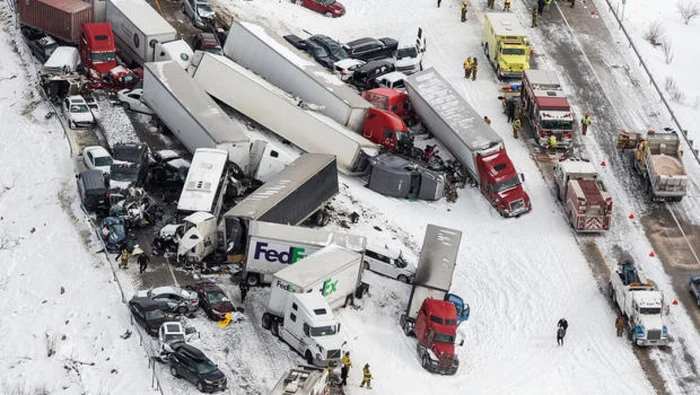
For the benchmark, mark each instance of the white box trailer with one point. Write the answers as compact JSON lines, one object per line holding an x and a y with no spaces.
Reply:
{"x":277,"y":111}
{"x":198,"y":122}
{"x":333,"y":272}
{"x":271,"y":247}
{"x":137,"y":28}
{"x":268,"y":55}
{"x":206,"y":183}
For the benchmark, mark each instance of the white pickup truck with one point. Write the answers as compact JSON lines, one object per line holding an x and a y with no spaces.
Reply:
{"x":641,"y":303}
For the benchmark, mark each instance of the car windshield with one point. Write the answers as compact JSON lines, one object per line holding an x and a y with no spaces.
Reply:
{"x":556,"y":124}
{"x":78,"y":108}
{"x":650,"y":310}
{"x":318,"y":52}
{"x":205,"y":367}
{"x":513,"y":51}
{"x":338,"y":52}
{"x":50,"y":47}
{"x":328,"y":2}
{"x":128,"y":154}
{"x":409,"y":52}
{"x":174,"y":337}
{"x":216,"y":297}
{"x":400,"y":262}
{"x":507,"y":184}
{"x":323,"y":330}
{"x":206,"y":8}
{"x":103,"y":161}
{"x":443,"y":338}
{"x":124,"y":174}
{"x":103,"y":57}
{"x":154,"y":314}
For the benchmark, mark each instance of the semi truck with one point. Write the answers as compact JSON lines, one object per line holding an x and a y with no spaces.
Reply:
{"x":659,"y":160}
{"x":505,"y":44}
{"x":139,"y":30}
{"x":271,"y":107}
{"x":469,"y":139}
{"x":197,"y":121}
{"x":61,"y":19}
{"x":641,"y":303}
{"x":547,"y":107}
{"x":587,"y":204}
{"x":334,"y":272}
{"x":295,"y":194}
{"x":429,"y":315}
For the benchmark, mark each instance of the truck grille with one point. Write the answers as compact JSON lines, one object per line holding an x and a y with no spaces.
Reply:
{"x":445,"y":361}
{"x":332,"y":354}
{"x":654,"y":334}
{"x":517,"y":205}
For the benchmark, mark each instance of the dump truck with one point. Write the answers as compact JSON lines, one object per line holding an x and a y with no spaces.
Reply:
{"x":642,"y":305}
{"x":430,"y":315}
{"x":547,"y":107}
{"x":658,"y":159}
{"x":505,"y":44}
{"x":469,"y":139}
{"x":587,"y":204}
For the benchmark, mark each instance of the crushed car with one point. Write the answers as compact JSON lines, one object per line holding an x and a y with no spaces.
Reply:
{"x":213,"y":300}
{"x":179,"y":300}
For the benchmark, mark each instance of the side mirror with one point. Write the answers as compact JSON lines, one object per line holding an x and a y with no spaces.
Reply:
{"x":461,"y":343}
{"x":522,"y":177}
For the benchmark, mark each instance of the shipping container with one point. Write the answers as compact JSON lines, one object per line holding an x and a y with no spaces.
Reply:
{"x":58,"y":18}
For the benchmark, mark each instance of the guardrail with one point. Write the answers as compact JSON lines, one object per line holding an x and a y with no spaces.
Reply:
{"x":683,"y":132}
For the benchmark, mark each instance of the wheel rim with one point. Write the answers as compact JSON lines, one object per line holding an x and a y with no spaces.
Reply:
{"x":200,"y":386}
{"x":403,"y":278}
{"x":173,"y":371}
{"x":366,"y":266}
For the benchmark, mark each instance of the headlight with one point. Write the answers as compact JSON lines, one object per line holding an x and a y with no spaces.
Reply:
{"x":208,"y":381}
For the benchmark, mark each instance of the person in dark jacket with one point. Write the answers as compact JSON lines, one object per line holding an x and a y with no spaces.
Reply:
{"x":620,"y":325}
{"x":540,"y":6}
{"x":561,"y":332}
{"x":510,"y":109}
{"x":563,"y":324}
{"x":244,"y":290}
{"x":143,"y":261}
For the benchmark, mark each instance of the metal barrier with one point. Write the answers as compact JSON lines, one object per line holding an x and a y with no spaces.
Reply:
{"x":683,"y":132}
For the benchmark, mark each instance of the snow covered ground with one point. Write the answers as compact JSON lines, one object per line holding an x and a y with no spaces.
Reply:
{"x":519,"y":276}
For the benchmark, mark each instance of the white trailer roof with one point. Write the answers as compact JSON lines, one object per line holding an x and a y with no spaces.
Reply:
{"x":145,"y":17}
{"x":202,"y":181}
{"x":438,"y":257}
{"x":506,"y":24}
{"x":305,"y":272}
{"x":577,"y":166}
{"x":312,"y":236}
{"x":197,"y":102}
{"x":467,"y":124}
{"x":544,"y":83}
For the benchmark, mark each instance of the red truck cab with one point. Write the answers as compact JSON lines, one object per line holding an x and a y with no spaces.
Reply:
{"x":390,"y":100}
{"x":547,"y":107}
{"x":436,"y":330}
{"x":97,"y":48}
{"x":501,"y":184}
{"x":386,"y":128}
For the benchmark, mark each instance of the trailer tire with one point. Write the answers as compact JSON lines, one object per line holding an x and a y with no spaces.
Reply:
{"x":275,"y":328}
{"x":309,"y":358}
{"x":402,"y":278}
{"x":266,"y":321}
{"x":252,"y":279}
{"x":424,"y":362}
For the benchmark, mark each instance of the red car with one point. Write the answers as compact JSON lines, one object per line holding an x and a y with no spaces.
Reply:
{"x":329,"y":8}
{"x":213,"y":300}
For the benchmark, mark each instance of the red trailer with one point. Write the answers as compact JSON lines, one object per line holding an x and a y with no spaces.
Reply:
{"x":58,"y":18}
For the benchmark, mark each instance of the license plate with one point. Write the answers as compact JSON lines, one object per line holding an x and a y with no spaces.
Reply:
{"x":102,"y":201}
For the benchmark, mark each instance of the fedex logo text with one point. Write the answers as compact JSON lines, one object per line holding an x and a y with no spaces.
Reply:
{"x":289,"y":256}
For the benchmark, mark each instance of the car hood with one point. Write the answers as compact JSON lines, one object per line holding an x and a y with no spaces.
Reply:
{"x":403,"y":62}
{"x":214,"y":376}
{"x":447,"y":348}
{"x":82,"y":117}
{"x":168,"y":231}
{"x":141,"y":294}
{"x":511,"y":194}
{"x":223,"y":307}
{"x":337,"y":7}
{"x":158,"y":322}
{"x":651,"y":321}
{"x":205,"y":14}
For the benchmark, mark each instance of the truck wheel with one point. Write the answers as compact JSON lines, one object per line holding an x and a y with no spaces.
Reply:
{"x":200,"y":386}
{"x":365,"y":265}
{"x":424,"y":362}
{"x":173,"y":371}
{"x":266,"y":321}
{"x":275,"y":328}
{"x":328,"y":14}
{"x":403,"y":278}
{"x":252,"y":280}
{"x":309,"y":357}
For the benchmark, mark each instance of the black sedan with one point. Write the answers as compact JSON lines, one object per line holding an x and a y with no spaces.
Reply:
{"x":333,"y":50}
{"x":369,"y":48}
{"x":213,"y":300}
{"x":150,"y":314}
{"x":364,"y":77}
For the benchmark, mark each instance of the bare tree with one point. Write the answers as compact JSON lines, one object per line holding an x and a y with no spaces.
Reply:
{"x":667,"y":46}
{"x":655,"y":33}
{"x":688,"y":10}
{"x":674,"y":91}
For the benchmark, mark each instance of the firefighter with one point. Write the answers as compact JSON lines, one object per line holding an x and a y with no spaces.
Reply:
{"x":573,"y":3}
{"x":487,"y":120}
{"x":490,"y":3}
{"x":540,"y":6}
{"x":345,"y":369}
{"x":366,"y":377}
{"x":534,"y":16}
{"x":510,"y":109}
{"x":547,"y":3}
{"x":553,"y":144}
{"x":516,"y":128}
{"x":506,"y":5}
{"x":464,"y":11}
{"x":124,"y":256}
{"x":620,"y":325}
{"x":475,"y":66}
{"x":585,"y":122}
{"x":468,"y":67}
{"x":521,"y":112}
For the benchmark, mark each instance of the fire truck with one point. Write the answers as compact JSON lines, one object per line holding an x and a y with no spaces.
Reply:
{"x":587,"y":204}
{"x":547,"y":107}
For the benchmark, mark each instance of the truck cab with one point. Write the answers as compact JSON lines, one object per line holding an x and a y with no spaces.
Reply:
{"x":386,"y":128}
{"x":309,"y":326}
{"x":436,"y":330}
{"x":97,"y":47}
{"x":196,"y":236}
{"x":641,"y":303}
{"x":501,"y":184}
{"x":391,"y":100}
{"x":505,"y":44}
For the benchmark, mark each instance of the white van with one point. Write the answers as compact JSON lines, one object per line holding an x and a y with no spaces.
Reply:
{"x":409,"y":54}
{"x":389,"y":262}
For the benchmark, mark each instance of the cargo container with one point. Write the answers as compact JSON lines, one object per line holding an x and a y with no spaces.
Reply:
{"x":58,"y":18}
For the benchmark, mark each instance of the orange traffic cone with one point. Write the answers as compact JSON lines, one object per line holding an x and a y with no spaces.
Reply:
{"x":631,"y":215}
{"x":651,"y":254}
{"x":675,"y":300}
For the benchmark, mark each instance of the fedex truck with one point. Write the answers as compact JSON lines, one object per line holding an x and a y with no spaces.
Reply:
{"x":272,"y":247}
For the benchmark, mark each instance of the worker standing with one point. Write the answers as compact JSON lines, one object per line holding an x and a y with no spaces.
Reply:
{"x":345,"y":369}
{"x":573,"y":3}
{"x":585,"y":122}
{"x":553,"y":144}
{"x":468,"y":67}
{"x":475,"y":66}
{"x":516,"y":128}
{"x":490,"y":4}
{"x":540,"y":6}
{"x":487,"y":120}
{"x":547,"y":3}
{"x":506,"y":5}
{"x":366,"y":377}
{"x":534,"y":16}
{"x":464,"y":11}
{"x":620,"y":325}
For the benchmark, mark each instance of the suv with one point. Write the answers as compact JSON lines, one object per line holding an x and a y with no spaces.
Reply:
{"x":191,"y":364}
{"x":200,"y":12}
{"x":334,"y":51}
{"x":207,"y":42}
{"x":42,"y":48}
{"x":135,"y":153}
{"x":93,"y":187}
{"x":371,"y":49}
{"x":364,"y":77}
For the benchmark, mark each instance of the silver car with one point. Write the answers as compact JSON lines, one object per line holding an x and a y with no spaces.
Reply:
{"x":200,"y":12}
{"x":178,"y":300}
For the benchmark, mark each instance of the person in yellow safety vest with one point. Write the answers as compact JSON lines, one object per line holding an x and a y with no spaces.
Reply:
{"x":468,"y":67}
{"x":516,"y":128}
{"x":464,"y":11}
{"x":345,"y":369}
{"x":506,"y":5}
{"x":366,"y":377}
{"x":125,"y":258}
{"x":547,"y":3}
{"x":553,"y":144}
{"x":475,"y":66}
{"x":585,"y":122}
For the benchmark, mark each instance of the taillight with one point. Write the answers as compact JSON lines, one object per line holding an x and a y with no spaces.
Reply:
{"x":566,"y":135}
{"x":107,"y":195}
{"x":193,"y":301}
{"x":84,"y":196}
{"x":342,"y":73}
